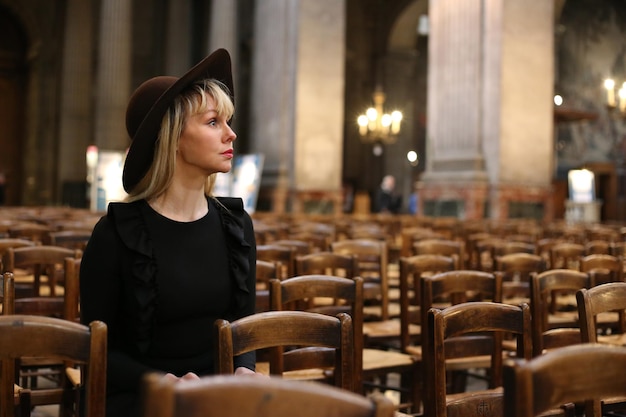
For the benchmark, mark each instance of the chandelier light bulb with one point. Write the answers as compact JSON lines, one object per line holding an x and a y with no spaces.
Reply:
{"x":376,"y":126}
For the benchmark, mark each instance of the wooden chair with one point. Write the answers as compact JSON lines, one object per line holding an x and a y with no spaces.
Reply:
{"x":22,"y":289}
{"x":34,"y":232}
{"x":243,"y":396}
{"x":41,"y":260}
{"x":515,"y":269}
{"x":468,"y":330}
{"x":445,"y":247}
{"x":369,"y":362}
{"x":586,"y":373}
{"x":597,"y":247}
{"x":603,"y":298}
{"x":285,"y":255}
{"x":412,"y":269}
{"x":603,"y":268}
{"x":64,"y":306}
{"x":592,"y":302}
{"x":474,"y":253}
{"x":301,"y":247}
{"x":544,"y":288}
{"x":410,"y":235}
{"x":484,"y":252}
{"x":544,"y":249}
{"x":373,"y":268}
{"x":265,"y":271}
{"x":278,"y":329}
{"x":566,"y":255}
{"x":327,"y":263}
{"x":512,"y":246}
{"x":319,"y":241}
{"x":455,"y":287}
{"x":71,"y":239}
{"x":84,"y":347}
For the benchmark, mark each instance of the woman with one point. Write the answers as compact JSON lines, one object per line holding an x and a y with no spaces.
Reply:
{"x":161,"y":267}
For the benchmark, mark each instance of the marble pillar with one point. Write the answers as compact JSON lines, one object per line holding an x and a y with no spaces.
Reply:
{"x":223,"y":28}
{"x":113,"y":74}
{"x":75,"y":122}
{"x":178,"y":42}
{"x":490,"y":116}
{"x":298,"y":100}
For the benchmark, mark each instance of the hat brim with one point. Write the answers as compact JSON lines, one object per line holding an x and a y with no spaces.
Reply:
{"x":141,"y":151}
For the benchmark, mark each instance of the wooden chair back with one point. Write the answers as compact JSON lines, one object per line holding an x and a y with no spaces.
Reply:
{"x":265,"y":271}
{"x":445,"y":247}
{"x":41,"y":260}
{"x":603,"y":298}
{"x":64,"y":306}
{"x":412,"y":269}
{"x":566,"y":255}
{"x":580,"y":373}
{"x":71,"y":239}
{"x":328,"y":263}
{"x":285,"y":255}
{"x":603,"y":268}
{"x":515,"y":269}
{"x":594,"y":302}
{"x":468,"y":330}
{"x":79,"y":345}
{"x":275,"y":329}
{"x":512,"y":246}
{"x":301,"y":247}
{"x":373,"y":266}
{"x":450,"y":288}
{"x":597,"y":246}
{"x":34,"y":232}
{"x":346,"y":295}
{"x":544,"y":288}
{"x":319,"y":241}
{"x":242,"y":396}
{"x":484,"y":252}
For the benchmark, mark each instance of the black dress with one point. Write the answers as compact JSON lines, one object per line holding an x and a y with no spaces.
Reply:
{"x":159,"y":285}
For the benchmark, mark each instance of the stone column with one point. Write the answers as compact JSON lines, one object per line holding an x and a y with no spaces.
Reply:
{"x":178,"y":42}
{"x":298,"y":94}
{"x":75,"y":123}
{"x":223,"y":34}
{"x":489,"y":107}
{"x":223,"y":28}
{"x":113,"y":74}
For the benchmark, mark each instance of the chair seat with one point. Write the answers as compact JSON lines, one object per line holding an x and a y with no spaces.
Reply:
{"x":316,"y":374}
{"x":374,"y":312}
{"x":388,"y":330}
{"x":613,"y":339}
{"x":377,"y":359}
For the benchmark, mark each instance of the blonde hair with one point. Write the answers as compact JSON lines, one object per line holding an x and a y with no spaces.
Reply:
{"x":190,"y":102}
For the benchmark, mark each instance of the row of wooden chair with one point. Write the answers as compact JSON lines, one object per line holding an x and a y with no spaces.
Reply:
{"x":530,"y":388}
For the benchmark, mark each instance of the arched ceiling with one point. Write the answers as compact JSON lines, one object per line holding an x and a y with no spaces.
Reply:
{"x":404,"y":30}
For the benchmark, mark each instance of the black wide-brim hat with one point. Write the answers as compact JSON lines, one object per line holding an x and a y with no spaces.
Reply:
{"x":149,"y":103}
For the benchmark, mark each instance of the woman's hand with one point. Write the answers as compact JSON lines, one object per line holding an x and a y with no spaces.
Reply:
{"x":189,"y":376}
{"x":245,"y":371}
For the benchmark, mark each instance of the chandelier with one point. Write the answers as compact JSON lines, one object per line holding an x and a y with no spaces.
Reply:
{"x":376,"y":126}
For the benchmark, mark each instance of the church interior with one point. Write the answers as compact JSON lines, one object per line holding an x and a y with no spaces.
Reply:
{"x":498,"y":101}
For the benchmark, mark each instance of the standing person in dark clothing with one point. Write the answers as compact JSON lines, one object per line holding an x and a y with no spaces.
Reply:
{"x":386,"y":200}
{"x":162,"y":266}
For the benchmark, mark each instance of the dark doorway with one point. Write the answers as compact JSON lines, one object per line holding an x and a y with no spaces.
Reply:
{"x":13,"y":72}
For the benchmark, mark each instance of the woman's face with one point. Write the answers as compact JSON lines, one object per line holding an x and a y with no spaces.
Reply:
{"x":206,"y":144}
